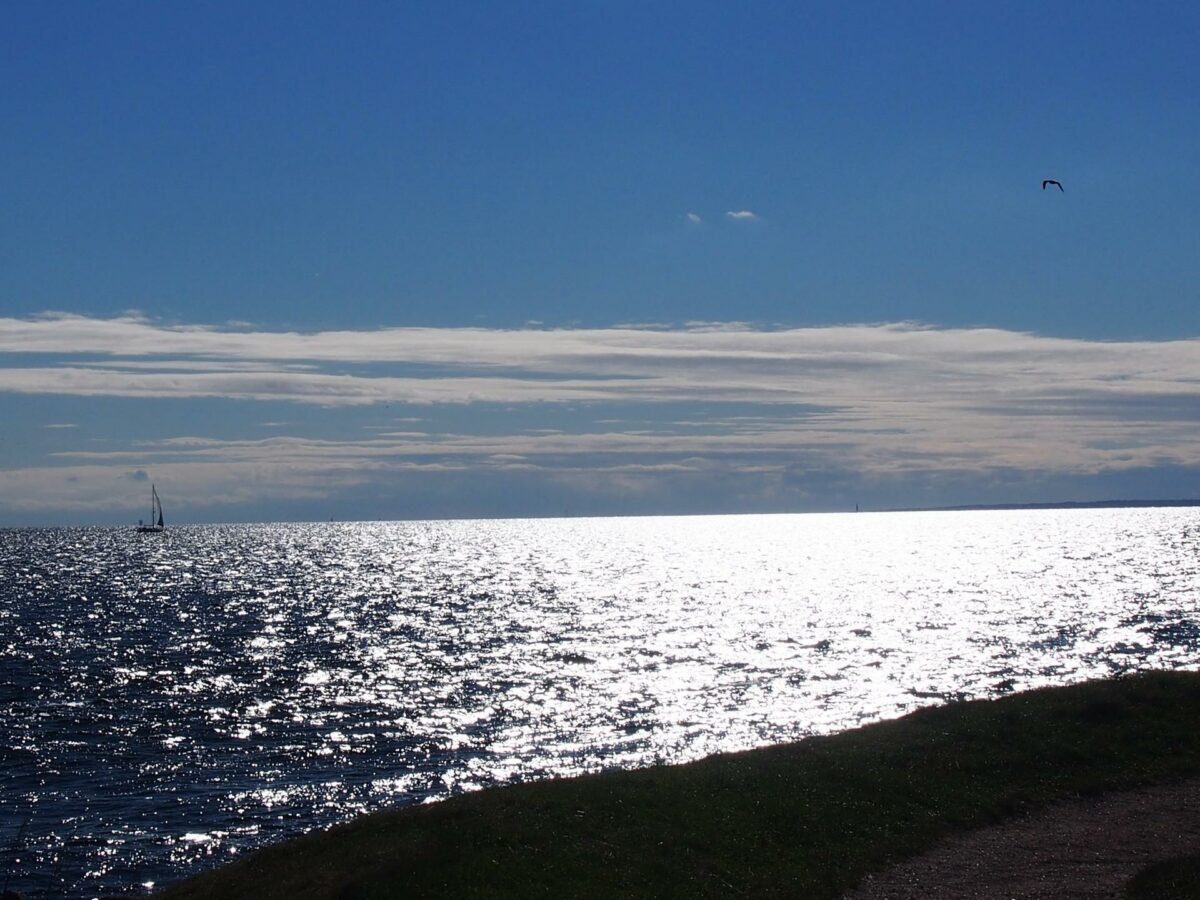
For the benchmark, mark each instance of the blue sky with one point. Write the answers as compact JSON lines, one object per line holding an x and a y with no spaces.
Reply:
{"x":523,"y":181}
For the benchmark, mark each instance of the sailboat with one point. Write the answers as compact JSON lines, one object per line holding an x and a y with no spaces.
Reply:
{"x":156,"y":516}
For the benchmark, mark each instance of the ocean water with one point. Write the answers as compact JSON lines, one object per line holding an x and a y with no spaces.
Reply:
{"x":169,"y":701}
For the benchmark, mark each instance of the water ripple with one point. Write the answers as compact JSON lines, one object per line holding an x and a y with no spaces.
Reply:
{"x":170,"y":700}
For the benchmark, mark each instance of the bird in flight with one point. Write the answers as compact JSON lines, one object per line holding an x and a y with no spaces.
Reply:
{"x":1053,"y":182}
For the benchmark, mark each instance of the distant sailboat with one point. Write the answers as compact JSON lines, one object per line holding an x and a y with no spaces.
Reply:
{"x":156,"y":516}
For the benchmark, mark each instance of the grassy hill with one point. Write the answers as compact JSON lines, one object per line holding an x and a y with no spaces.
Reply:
{"x":805,"y":819}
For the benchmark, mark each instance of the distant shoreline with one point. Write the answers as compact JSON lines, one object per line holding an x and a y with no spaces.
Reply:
{"x":1062,"y":504}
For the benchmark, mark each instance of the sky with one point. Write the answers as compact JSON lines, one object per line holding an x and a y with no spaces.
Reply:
{"x":306,"y":261}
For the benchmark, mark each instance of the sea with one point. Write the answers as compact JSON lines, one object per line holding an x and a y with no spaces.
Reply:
{"x":171,"y":701}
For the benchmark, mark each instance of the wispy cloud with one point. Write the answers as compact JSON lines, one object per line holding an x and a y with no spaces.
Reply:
{"x":694,"y":218}
{"x":741,"y":215}
{"x":887,"y":400}
{"x":900,"y":364}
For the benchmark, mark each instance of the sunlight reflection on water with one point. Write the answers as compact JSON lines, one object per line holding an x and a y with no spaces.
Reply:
{"x":168,"y":700}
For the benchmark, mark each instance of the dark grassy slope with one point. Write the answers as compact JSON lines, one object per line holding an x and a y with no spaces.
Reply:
{"x":1175,"y":879}
{"x":805,"y":819}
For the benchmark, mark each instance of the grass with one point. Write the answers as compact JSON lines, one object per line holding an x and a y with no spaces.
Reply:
{"x":806,"y":819}
{"x":1172,"y":879}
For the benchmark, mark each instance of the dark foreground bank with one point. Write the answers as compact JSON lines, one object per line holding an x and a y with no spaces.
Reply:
{"x":805,"y":819}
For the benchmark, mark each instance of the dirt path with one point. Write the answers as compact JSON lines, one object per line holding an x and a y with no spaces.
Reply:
{"x":1085,"y":848}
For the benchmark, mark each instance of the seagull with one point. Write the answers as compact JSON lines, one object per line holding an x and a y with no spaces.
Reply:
{"x":1053,"y":182}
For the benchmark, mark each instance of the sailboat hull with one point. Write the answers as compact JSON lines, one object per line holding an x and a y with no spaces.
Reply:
{"x":150,"y":529}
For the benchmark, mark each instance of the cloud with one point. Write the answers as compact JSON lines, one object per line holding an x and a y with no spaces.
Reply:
{"x":694,"y":218}
{"x":61,"y":425}
{"x":896,"y":400}
{"x":741,"y":215}
{"x":869,"y":368}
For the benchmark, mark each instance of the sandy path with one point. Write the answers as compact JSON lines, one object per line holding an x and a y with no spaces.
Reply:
{"x":1083,"y":848}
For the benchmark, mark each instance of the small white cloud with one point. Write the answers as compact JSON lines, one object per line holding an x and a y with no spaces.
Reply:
{"x":694,"y":218}
{"x":62,"y":425}
{"x":741,"y":215}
